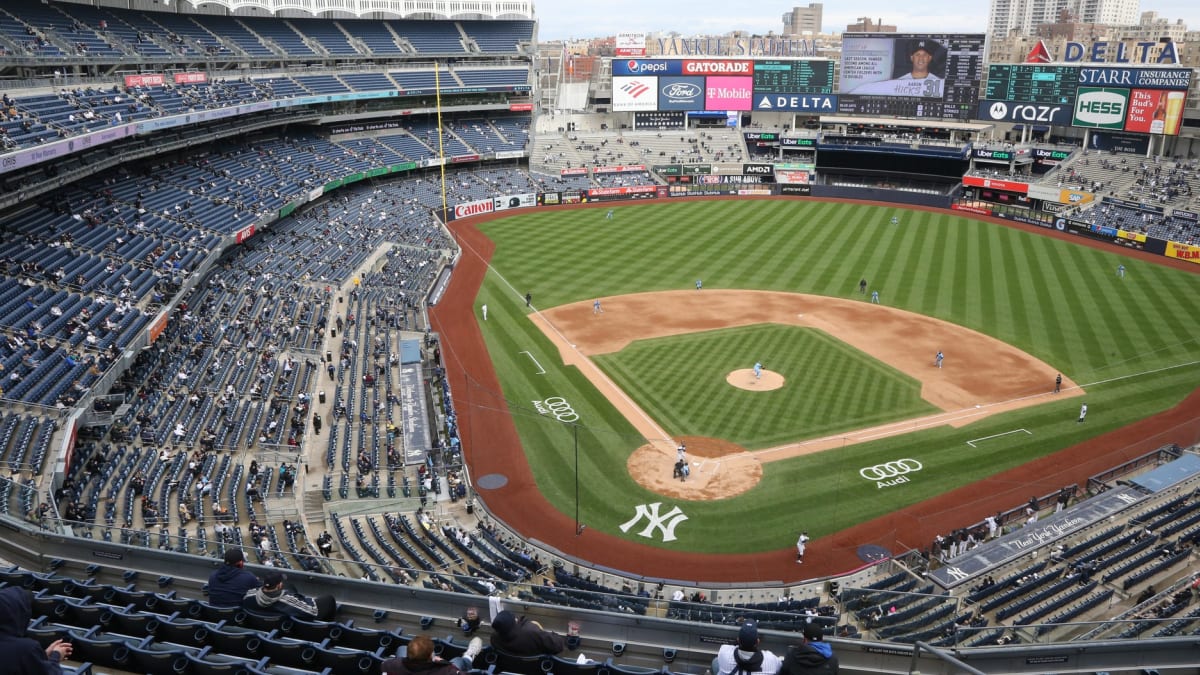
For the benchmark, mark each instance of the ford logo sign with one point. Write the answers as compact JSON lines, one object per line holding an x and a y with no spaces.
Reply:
{"x":681,"y":90}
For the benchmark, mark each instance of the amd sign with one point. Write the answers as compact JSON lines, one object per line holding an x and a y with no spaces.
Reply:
{"x":1012,"y":111}
{"x":758,"y":169}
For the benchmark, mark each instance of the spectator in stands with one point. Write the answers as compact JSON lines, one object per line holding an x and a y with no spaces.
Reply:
{"x":21,"y":654}
{"x":271,"y":597}
{"x":231,"y":581}
{"x":516,"y":635}
{"x":811,"y":657}
{"x":419,"y":659}
{"x":746,"y":657}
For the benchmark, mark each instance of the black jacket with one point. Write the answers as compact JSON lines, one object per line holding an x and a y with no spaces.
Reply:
{"x":515,"y":635}
{"x":399,"y":666}
{"x":18,"y":653}
{"x":228,"y":584}
{"x":812,"y":658}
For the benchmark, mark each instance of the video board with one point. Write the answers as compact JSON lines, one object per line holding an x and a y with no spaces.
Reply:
{"x":713,"y":84}
{"x":911,"y":75}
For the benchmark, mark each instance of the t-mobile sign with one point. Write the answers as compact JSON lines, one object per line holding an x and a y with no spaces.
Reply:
{"x":728,"y":93}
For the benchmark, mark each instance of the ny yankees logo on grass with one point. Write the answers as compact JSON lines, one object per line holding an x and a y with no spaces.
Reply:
{"x":667,"y":522}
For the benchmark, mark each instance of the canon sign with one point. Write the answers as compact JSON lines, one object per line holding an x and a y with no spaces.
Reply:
{"x":718,"y":68}
{"x":473,"y":208}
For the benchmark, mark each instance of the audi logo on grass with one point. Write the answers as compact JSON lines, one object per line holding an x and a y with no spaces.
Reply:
{"x":557,"y":406}
{"x":890,"y":473}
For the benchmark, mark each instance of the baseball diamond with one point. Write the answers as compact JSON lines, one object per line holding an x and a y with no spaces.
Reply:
{"x":1009,"y":307}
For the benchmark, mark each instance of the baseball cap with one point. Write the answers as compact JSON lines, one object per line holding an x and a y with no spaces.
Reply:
{"x":929,"y":46}
{"x":748,"y":636}
{"x":273,"y":579}
{"x":813,"y":631}
{"x":234,"y":556}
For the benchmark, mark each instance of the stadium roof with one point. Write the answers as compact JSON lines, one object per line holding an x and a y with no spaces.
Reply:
{"x":435,"y":9}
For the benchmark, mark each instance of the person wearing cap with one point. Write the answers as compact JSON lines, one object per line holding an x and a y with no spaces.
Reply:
{"x":813,"y":656}
{"x":230,"y":582}
{"x":514,"y":635}
{"x":419,"y":659}
{"x":921,"y":55}
{"x":271,"y":597}
{"x":746,"y":657}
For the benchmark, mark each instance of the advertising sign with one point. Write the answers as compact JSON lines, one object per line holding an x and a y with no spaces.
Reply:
{"x":514,"y":201}
{"x":630,"y":44}
{"x":1027,"y":113}
{"x":149,"y":80}
{"x":646,"y":67}
{"x":681,"y":93}
{"x":1134,"y":144}
{"x":576,"y":171}
{"x":635,"y":93}
{"x":758,"y":169}
{"x":619,"y":168}
{"x":811,"y":103}
{"x":1177,"y":79}
{"x":474,"y":208}
{"x":727,"y":93}
{"x":719,"y":67}
{"x":520,"y":107}
{"x":995,"y":184}
{"x":1101,"y":108}
{"x":191,"y":78}
{"x":1183,"y":251}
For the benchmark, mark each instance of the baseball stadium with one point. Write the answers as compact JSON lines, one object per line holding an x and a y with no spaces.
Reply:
{"x":344,"y":336}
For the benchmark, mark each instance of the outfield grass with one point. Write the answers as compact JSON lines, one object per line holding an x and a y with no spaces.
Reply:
{"x":831,"y":386}
{"x":1056,"y":300}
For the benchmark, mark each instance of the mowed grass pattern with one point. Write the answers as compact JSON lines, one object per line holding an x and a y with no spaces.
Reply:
{"x":1056,"y":300}
{"x":829,"y":386}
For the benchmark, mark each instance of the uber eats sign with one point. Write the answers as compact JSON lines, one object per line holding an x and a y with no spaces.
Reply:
{"x":1101,"y":107}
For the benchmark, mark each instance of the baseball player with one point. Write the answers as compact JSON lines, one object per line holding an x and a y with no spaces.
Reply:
{"x":1082,"y":412}
{"x":699,"y":284}
{"x":596,"y":307}
{"x":757,"y":370}
{"x":895,"y":220}
{"x":800,"y":547}
{"x":874,"y":297}
{"x":1120,"y":271}
{"x":937,"y":360}
{"x":483,"y":309}
{"x":610,"y":215}
{"x":1058,"y":383}
{"x":862,"y":286}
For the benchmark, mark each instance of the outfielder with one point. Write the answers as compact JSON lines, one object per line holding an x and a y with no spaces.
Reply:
{"x":483,"y":309}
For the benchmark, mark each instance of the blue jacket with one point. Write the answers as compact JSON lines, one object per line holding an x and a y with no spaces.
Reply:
{"x":229,"y":584}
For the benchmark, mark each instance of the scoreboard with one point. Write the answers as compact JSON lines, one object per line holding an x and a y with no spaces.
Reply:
{"x":931,"y":76}
{"x":1032,"y":83}
{"x":785,"y":77}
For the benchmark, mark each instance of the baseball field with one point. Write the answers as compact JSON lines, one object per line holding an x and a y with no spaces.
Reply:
{"x":859,"y":423}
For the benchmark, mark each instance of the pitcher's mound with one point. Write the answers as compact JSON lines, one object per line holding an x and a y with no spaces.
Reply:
{"x":744,"y":379}
{"x":719,"y":469}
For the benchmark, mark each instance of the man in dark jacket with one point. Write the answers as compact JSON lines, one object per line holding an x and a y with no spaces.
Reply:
{"x":814,"y":656}
{"x":21,"y":654}
{"x":231,"y":581}
{"x":271,"y":598}
{"x":419,"y":659}
{"x":515,"y":635}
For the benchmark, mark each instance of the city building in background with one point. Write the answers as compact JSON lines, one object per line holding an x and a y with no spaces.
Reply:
{"x":803,"y":20}
{"x":868,"y":25}
{"x":1025,"y":15}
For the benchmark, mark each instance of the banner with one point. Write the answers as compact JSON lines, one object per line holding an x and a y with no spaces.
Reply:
{"x":510,"y":154}
{"x":728,"y":93}
{"x":634,"y":93}
{"x":463,"y":159}
{"x":971,"y":209}
{"x":1029,"y":113}
{"x":1132,"y":236}
{"x":522,"y":201}
{"x":798,"y":190}
{"x":1183,"y":251}
{"x":550,"y":198}
{"x":191,"y":78}
{"x":628,"y":190}
{"x":758,"y":169}
{"x":681,"y":93}
{"x":474,"y":208}
{"x":574,"y":171}
{"x":246,"y":232}
{"x":996,"y":184}
{"x":812,"y":103}
{"x":149,"y":80}
{"x":632,"y":168}
{"x":1101,"y":108}
{"x":1053,"y":193}
{"x":520,"y":107}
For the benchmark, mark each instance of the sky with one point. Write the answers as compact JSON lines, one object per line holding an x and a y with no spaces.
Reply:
{"x":564,"y":19}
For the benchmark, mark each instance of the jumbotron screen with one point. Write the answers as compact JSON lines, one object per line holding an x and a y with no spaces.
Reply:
{"x":910,"y":75}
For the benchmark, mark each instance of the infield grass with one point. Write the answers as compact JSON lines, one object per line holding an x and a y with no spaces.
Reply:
{"x":831,"y":386}
{"x":1133,"y":341}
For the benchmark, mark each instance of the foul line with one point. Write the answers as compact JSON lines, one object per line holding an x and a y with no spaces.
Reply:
{"x":541,"y":370}
{"x":1014,"y":431}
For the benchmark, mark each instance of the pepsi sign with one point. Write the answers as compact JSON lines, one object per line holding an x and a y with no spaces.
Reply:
{"x":646,"y":67}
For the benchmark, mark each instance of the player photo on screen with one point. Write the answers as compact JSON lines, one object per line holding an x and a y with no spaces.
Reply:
{"x":914,"y":67}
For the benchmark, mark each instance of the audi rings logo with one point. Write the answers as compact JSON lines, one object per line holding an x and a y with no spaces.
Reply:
{"x":893,"y":469}
{"x":557,"y":406}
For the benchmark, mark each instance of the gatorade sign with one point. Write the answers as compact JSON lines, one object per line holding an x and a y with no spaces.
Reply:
{"x":1101,"y":108}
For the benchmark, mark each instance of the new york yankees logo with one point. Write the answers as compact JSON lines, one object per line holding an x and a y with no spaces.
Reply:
{"x":667,"y":522}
